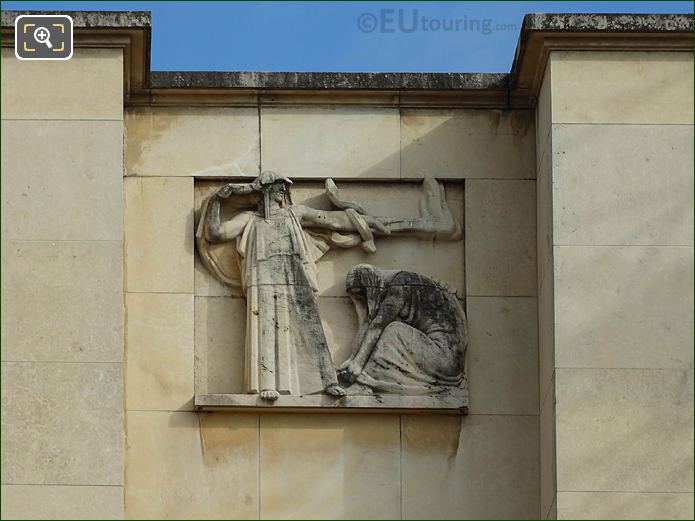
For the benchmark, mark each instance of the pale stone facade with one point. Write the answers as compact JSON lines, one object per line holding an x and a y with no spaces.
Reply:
{"x":503,"y":413}
{"x":62,"y":286}
{"x":615,"y":206}
{"x":575,"y":269}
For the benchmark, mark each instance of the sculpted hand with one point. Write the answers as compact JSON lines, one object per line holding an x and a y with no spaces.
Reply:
{"x":234,"y":189}
{"x":377,"y":223}
{"x":349,"y":371}
{"x":265,"y":178}
{"x":226,"y":191}
{"x":256,"y":184}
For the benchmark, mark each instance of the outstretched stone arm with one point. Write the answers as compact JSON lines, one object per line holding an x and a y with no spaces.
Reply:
{"x":435,"y":218}
{"x":338,"y":220}
{"x":217,"y":231}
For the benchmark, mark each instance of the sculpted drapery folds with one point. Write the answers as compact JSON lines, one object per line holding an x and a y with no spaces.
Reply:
{"x":412,"y":338}
{"x":273,"y":261}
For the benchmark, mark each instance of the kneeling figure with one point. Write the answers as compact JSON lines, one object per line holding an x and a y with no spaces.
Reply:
{"x":412,"y":338}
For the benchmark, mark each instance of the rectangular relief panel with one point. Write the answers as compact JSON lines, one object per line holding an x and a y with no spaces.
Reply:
{"x":317,"y":296}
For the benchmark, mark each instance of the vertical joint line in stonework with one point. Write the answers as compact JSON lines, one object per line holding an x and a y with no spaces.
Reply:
{"x":465,"y":251}
{"x":400,"y":139}
{"x":400,"y":464}
{"x":260,"y":135}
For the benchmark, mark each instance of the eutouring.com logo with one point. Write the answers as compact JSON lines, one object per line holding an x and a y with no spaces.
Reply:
{"x":389,"y":21}
{"x":43,"y":37}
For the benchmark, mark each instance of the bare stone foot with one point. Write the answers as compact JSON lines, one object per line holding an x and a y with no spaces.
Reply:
{"x":270,"y":395}
{"x":335,"y":390}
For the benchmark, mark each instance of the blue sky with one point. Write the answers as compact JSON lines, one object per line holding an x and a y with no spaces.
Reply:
{"x":342,"y":36}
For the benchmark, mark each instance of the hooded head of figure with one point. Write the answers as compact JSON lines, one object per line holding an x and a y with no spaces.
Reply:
{"x":275,"y":189}
{"x":366,"y":283}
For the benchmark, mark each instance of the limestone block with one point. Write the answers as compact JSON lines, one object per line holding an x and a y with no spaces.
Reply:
{"x":61,"y":502}
{"x":87,"y":86}
{"x":62,"y":180}
{"x":159,"y":234}
{"x":62,"y":423}
{"x":624,"y":505}
{"x":547,"y":455}
{"x":502,"y":362}
{"x":622,"y":87}
{"x":543,"y":115}
{"x":337,"y":142}
{"x":159,"y":359}
{"x":624,"y":430}
{"x":62,"y":301}
{"x":220,"y":331}
{"x":340,"y":466}
{"x":644,"y":319}
{"x":500,"y":238}
{"x":192,"y":141}
{"x":623,"y":184}
{"x":447,"y":471}
{"x":462,"y":143}
{"x":182,"y":465}
{"x":440,"y":259}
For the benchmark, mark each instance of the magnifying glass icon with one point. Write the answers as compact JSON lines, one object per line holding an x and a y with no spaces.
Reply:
{"x":42,"y":35}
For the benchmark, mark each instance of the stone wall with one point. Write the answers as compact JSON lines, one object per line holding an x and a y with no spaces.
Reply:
{"x":185,"y":331}
{"x":615,"y":248}
{"x":578,"y":291}
{"x":62,"y":286}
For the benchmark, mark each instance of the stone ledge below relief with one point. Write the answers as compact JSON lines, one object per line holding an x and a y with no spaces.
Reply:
{"x":452,"y":402}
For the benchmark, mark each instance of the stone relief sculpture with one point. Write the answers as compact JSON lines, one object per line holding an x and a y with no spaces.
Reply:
{"x":412,"y":338}
{"x":276,"y":245}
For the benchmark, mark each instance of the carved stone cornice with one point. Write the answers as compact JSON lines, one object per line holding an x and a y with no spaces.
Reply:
{"x":543,"y":33}
{"x":127,"y":30}
{"x":540,"y":34}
